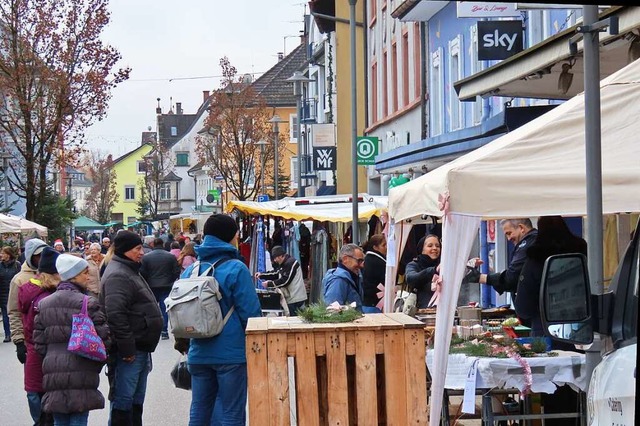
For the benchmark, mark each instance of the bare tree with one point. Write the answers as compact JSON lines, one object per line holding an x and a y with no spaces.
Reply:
{"x":103,"y":194}
{"x":157,"y":164}
{"x":56,"y":77}
{"x":238,"y":118}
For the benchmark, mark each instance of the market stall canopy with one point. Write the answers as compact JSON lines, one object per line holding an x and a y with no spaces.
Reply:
{"x":84,"y":223}
{"x":14,"y":224}
{"x":539,"y":168}
{"x":112,"y":223}
{"x":332,"y":208}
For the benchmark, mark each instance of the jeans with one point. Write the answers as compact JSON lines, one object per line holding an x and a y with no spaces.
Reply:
{"x":371,"y":310}
{"x":293,"y":307}
{"x":130,"y":382}
{"x":223,"y":386}
{"x":72,"y":419}
{"x":35,"y":406}
{"x":5,"y":321}
{"x":161,"y":294}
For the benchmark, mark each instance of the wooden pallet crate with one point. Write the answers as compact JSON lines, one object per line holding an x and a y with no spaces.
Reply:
{"x":368,"y":372}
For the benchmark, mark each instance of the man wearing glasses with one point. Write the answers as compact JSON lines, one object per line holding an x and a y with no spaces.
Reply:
{"x":343,"y":284}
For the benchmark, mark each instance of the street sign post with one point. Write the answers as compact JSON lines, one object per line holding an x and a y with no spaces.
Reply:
{"x":367,"y":149}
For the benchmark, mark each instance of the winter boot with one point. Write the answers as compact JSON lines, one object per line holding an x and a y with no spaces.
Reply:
{"x":121,"y":418}
{"x":136,"y":415}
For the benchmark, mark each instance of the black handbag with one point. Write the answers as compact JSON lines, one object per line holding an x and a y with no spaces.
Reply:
{"x":180,"y":374}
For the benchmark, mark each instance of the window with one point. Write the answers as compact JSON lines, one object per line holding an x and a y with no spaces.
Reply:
{"x":372,"y":9}
{"x":405,"y":69}
{"x":174,"y":131}
{"x":394,"y":77}
{"x":129,"y":193}
{"x":455,"y":74}
{"x":385,"y":86}
{"x":141,"y":167}
{"x":182,"y":159}
{"x":294,"y":172}
{"x":476,"y":67}
{"x":293,"y":128}
{"x":131,"y":219}
{"x":165,"y":191}
{"x":417,"y":54}
{"x":374,"y":92}
{"x":437,"y":93}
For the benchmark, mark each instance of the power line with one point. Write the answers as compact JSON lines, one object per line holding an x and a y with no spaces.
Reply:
{"x":202,"y":77}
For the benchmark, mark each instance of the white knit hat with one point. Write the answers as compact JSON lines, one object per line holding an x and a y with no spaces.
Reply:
{"x":69,"y":266}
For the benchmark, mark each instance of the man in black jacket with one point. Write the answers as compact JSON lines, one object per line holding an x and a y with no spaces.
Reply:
{"x":160,"y":269}
{"x":135,"y":323}
{"x":522,"y":234}
{"x":287,"y":277}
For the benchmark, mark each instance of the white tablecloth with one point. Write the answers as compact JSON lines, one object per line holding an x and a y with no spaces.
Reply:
{"x":547,"y":372}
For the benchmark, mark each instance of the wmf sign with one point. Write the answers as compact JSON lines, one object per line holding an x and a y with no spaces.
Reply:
{"x":324,"y":158}
{"x":499,"y":39}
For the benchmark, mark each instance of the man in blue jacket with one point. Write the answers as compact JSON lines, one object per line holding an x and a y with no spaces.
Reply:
{"x":218,"y":365}
{"x":344,"y":284}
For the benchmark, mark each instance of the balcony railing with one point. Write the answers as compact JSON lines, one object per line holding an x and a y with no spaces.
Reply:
{"x":309,"y":111}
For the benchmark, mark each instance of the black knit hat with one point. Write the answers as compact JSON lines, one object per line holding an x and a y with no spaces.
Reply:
{"x":47,"y":262}
{"x":277,"y":251}
{"x":221,"y":226}
{"x":125,"y":241}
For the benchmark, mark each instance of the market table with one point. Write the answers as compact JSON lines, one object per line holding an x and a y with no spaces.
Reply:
{"x":547,"y":372}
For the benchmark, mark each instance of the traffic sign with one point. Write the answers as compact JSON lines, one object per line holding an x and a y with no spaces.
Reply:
{"x":263,"y":197}
{"x":367,"y":149}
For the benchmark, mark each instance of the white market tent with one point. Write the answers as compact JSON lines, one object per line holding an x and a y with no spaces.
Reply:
{"x":537,"y":169}
{"x":16,"y":224}
{"x":331,"y":208}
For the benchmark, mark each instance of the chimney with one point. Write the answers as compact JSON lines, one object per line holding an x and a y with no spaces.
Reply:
{"x":280,"y":56}
{"x":179,"y":108}
{"x":158,"y":108}
{"x":205,"y":95}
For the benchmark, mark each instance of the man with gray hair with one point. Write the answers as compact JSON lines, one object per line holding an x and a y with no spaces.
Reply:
{"x":344,"y":284}
{"x":522,"y":234}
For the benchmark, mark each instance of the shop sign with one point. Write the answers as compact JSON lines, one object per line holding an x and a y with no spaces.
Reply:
{"x":367,"y":149}
{"x":499,"y":39}
{"x":324,"y":158}
{"x":475,"y":9}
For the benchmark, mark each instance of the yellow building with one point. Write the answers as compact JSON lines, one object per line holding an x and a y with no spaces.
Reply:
{"x":129,"y":170}
{"x":346,"y":162}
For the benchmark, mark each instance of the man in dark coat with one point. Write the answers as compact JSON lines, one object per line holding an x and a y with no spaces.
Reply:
{"x":160,"y":269}
{"x":522,"y":234}
{"x":135,"y":322}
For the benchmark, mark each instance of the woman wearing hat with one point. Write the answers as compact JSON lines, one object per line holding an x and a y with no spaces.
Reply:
{"x":30,"y":294}
{"x":70,"y":381}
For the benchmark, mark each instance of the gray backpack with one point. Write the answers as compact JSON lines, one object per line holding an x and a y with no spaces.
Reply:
{"x":193,"y":305}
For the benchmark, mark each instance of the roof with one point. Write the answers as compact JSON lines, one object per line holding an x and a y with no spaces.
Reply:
{"x":172,"y":177}
{"x":273,"y":87}
{"x":197,"y":167}
{"x":133,"y":151}
{"x":84,"y":223}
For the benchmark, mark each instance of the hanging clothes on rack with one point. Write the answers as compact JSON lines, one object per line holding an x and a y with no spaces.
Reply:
{"x":295,"y":241}
{"x":319,"y":263}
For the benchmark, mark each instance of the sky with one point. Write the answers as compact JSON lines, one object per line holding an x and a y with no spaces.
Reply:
{"x":168,"y":44}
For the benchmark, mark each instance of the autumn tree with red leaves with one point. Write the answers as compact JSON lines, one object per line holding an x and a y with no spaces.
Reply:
{"x":103,"y":195}
{"x":238,"y":118}
{"x":56,"y":78}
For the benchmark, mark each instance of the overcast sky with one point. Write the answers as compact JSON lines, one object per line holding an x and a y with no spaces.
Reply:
{"x":168,"y":44}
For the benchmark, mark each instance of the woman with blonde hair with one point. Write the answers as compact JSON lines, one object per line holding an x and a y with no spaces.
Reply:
{"x":94,"y":259}
{"x":105,"y":260}
{"x":187,"y":256}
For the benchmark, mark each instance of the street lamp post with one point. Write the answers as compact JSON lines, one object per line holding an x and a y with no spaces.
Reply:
{"x":355,"y":232}
{"x":262,"y":144}
{"x":297,"y":79}
{"x":276,"y":120}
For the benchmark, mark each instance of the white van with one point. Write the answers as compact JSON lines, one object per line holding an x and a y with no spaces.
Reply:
{"x":571,"y":314}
